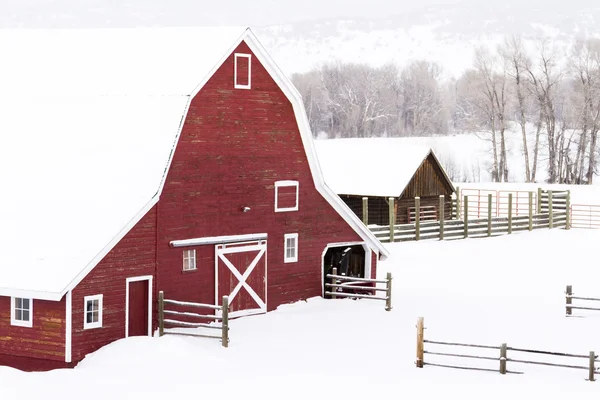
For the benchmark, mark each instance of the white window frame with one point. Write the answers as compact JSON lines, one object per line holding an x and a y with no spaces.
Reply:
{"x":293,"y":258}
{"x":17,"y":322}
{"x":189,"y":254}
{"x":236,"y":85}
{"x":280,"y":184}
{"x":97,"y":324}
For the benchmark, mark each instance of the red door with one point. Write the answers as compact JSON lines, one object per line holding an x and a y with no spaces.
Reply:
{"x":242,"y":275}
{"x":138,"y":308}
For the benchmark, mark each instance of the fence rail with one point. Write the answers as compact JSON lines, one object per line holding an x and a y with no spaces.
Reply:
{"x":585,"y":216}
{"x":169,"y":325}
{"x":354,"y":287}
{"x":569,"y":297}
{"x":502,"y":359}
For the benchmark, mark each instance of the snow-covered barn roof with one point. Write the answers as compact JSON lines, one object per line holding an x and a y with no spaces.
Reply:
{"x":380,"y":167}
{"x":88,"y":121}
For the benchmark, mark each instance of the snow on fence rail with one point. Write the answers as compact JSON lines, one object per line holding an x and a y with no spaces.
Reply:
{"x":553,"y":216}
{"x":181,"y":319}
{"x":569,"y":307}
{"x":353,"y":287}
{"x":502,"y":359}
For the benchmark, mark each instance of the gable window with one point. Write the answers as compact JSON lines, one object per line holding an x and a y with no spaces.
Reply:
{"x":92,"y":314}
{"x":189,"y":260}
{"x":21,"y":312}
{"x":290,"y":249}
{"x":242,"y":71}
{"x":286,"y":196}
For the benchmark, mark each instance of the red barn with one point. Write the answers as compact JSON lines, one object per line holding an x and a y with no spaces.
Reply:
{"x":133,"y":161}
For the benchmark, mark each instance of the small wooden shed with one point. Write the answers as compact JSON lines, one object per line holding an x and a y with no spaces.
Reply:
{"x":380,"y":168}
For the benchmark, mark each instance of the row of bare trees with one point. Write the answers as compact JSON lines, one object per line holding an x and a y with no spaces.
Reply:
{"x":550,"y":96}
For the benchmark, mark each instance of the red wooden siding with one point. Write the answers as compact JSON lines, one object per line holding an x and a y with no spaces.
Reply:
{"x":234,"y":146}
{"x":134,"y":255}
{"x":286,"y":197}
{"x":46,"y":339}
{"x":138,"y":308}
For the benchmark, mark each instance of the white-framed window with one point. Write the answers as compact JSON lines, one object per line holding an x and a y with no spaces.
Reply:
{"x":189,"y":260}
{"x":286,"y":196}
{"x":242,"y":71}
{"x":290,"y":248}
{"x":21,"y":312}
{"x":92,"y":312}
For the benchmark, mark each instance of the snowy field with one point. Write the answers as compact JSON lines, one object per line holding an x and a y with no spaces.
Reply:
{"x":485,"y":291}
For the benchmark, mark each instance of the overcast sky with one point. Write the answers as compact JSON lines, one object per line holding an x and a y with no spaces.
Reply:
{"x":237,"y":12}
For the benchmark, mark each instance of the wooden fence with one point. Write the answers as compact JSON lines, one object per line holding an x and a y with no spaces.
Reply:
{"x":353,"y":287}
{"x":169,"y":325}
{"x":502,"y":360}
{"x":555,"y":216}
{"x":569,"y":307}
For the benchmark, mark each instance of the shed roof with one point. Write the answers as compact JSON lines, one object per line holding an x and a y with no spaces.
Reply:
{"x":380,"y":167}
{"x":88,"y":123}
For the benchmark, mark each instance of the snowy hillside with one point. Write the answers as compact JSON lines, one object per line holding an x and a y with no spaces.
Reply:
{"x":301,"y":35}
{"x":467,"y":290}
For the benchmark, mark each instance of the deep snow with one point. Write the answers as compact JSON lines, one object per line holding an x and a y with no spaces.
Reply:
{"x":487,"y":291}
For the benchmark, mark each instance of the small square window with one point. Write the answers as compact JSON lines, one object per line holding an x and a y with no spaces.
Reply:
{"x":290,"y":251}
{"x":92,"y":313}
{"x":189,"y":260}
{"x":242,"y":71}
{"x":21,"y":312}
{"x":286,"y":196}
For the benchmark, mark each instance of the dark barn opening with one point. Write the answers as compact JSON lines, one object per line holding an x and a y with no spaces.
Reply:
{"x":349,"y":261}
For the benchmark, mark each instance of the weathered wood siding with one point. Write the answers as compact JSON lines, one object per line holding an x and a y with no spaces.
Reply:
{"x":134,"y":255}
{"x":403,"y":206}
{"x":427,"y":181}
{"x":22,"y":347}
{"x":234,"y":146}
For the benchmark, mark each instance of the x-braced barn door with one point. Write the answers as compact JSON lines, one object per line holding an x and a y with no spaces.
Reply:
{"x":241,"y":274}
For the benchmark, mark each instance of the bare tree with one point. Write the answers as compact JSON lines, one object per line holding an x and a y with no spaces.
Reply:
{"x":544,"y":77}
{"x":515,"y":56}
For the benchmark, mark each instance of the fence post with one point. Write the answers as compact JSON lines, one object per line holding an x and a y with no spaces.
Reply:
{"x":417,"y":218}
{"x":388,"y":292}
{"x":458,"y":206}
{"x":442,"y":215}
{"x":568,"y":210}
{"x":365,"y":210}
{"x":225,"y":322}
{"x":530,"y":211}
{"x":539,"y":200}
{"x":161,"y":313}
{"x":466,"y":217}
{"x":503,"y":351}
{"x":420,"y":342}
{"x":392,"y":218}
{"x":489,"y":227}
{"x":592,"y":369}
{"x":569,"y":293}
{"x":550,"y":212}
{"x":510,"y":199}
{"x":333,"y":281}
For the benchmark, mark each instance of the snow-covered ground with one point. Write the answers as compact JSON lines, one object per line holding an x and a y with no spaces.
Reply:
{"x":486,"y":291}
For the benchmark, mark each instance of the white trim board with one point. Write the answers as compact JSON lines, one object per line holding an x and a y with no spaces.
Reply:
{"x":69,"y":326}
{"x":150,"y":291}
{"x":218,"y":240}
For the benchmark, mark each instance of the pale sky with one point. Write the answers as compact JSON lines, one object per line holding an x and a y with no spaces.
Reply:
{"x":200,"y":12}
